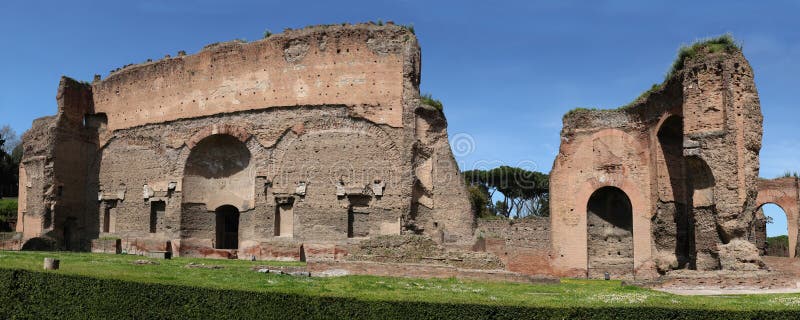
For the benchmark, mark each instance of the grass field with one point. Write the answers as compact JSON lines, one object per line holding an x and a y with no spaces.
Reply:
{"x":237,"y":275}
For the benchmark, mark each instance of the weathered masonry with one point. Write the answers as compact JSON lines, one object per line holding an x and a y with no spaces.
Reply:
{"x":314,"y":144}
{"x":669,"y":182}
{"x":313,"y":137}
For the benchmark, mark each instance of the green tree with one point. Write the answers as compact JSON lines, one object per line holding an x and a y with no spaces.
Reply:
{"x":524,"y":193}
{"x":10,"y":157}
{"x":480,"y":200}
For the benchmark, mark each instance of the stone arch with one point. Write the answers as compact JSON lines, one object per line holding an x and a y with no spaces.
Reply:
{"x":594,"y":162}
{"x":302,"y":154}
{"x":609,"y":233}
{"x":783,"y":192}
{"x":234,"y":131}
{"x":762,"y":223}
{"x":331,"y":160}
{"x":219,"y":170}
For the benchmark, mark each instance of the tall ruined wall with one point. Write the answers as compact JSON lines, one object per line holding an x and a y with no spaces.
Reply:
{"x":439,"y":192}
{"x":58,"y":181}
{"x":605,"y":150}
{"x":311,"y":135}
{"x":723,"y":129}
{"x":685,"y":158}
{"x":363,"y":67}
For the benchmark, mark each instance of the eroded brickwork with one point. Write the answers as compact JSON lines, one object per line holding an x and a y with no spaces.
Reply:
{"x":686,"y":159}
{"x":291,"y":147}
{"x":313,"y":145}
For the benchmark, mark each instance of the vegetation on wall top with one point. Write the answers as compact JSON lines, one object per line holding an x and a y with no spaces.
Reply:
{"x":428,"y":99}
{"x":724,"y":43}
{"x":790,"y":174}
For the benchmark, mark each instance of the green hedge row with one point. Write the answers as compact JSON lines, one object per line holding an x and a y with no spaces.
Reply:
{"x":38,"y":295}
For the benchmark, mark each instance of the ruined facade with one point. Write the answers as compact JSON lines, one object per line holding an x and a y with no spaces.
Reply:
{"x":314,"y":144}
{"x":299,"y":143}
{"x":669,"y":182}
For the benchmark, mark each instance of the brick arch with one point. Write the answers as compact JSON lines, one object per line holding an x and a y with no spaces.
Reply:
{"x":584,"y":166}
{"x":219,"y":170}
{"x":640,"y":215}
{"x":293,"y":135}
{"x":785,"y":193}
{"x":240,"y":133}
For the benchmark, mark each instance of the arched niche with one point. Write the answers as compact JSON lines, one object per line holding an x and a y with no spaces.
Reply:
{"x":219,"y":171}
{"x":609,"y":234}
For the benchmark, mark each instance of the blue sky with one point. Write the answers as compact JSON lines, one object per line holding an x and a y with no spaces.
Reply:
{"x":506,"y":71}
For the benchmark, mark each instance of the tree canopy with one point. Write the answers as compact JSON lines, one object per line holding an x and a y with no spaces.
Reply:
{"x":10,"y":157}
{"x":524,"y":193}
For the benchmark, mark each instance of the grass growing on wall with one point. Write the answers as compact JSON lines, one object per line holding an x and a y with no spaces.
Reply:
{"x":110,"y":286}
{"x":428,"y":99}
{"x":724,"y":43}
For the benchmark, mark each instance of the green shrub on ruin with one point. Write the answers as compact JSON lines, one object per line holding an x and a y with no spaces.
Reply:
{"x":724,"y":43}
{"x":428,"y":99}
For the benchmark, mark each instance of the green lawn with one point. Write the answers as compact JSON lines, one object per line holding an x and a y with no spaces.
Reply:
{"x":237,"y":275}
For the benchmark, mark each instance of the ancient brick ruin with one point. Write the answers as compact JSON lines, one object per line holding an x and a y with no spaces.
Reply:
{"x":314,"y":136}
{"x":314,"y":145}
{"x":669,"y":182}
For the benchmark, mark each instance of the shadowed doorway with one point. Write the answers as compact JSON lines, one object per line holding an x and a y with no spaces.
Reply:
{"x":610,"y":234}
{"x":227,"y":227}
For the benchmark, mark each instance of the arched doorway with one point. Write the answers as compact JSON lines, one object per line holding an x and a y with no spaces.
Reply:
{"x":227,"y":229}
{"x":609,"y":234}
{"x":219,"y":171}
{"x":776,"y":230}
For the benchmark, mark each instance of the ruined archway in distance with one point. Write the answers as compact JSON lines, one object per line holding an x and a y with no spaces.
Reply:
{"x":774,"y":236}
{"x":609,"y":234}
{"x":227,"y":227}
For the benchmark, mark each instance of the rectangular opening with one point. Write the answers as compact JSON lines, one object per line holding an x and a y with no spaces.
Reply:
{"x":284,"y":220}
{"x":357,"y":223}
{"x":157,"y":210}
{"x":106,"y":219}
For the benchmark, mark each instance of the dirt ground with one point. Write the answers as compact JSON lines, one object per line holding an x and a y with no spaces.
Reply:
{"x":787,"y":266}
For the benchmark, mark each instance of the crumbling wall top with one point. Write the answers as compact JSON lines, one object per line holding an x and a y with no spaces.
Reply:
{"x":363,"y":66}
{"x":663,"y":97}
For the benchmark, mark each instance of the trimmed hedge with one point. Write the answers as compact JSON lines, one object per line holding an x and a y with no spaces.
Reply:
{"x":39,"y":295}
